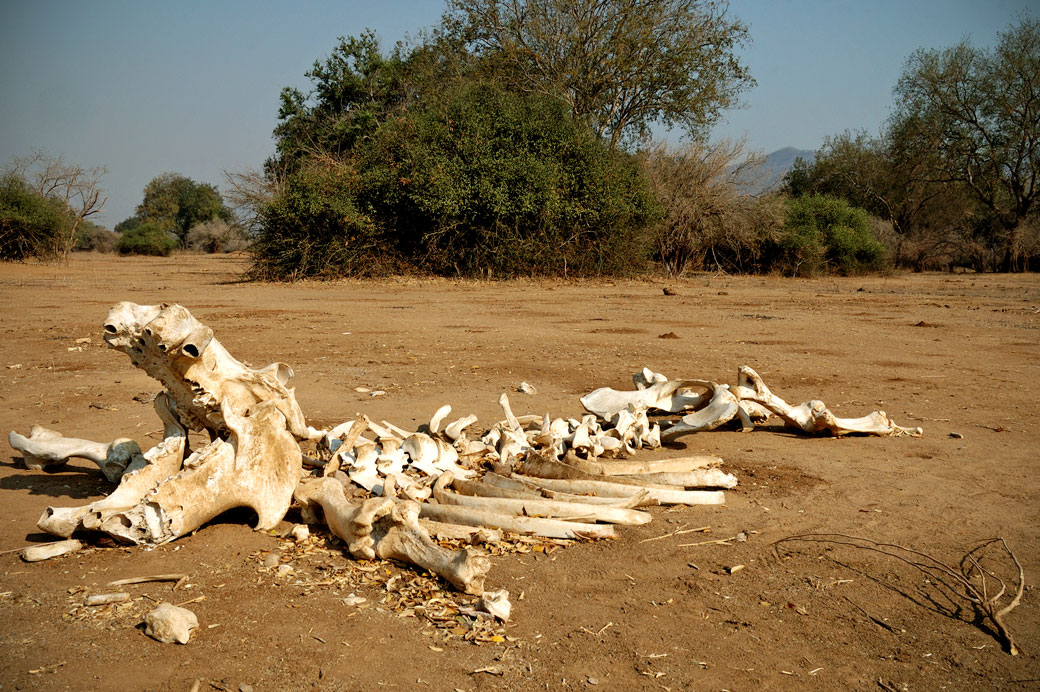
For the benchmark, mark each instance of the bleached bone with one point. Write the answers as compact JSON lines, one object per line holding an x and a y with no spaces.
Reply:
{"x":455,"y":430}
{"x":603,"y":488}
{"x":258,"y":468}
{"x":363,"y":469}
{"x":46,"y":551}
{"x":697,"y":478}
{"x":470,"y":534}
{"x":629,"y":468}
{"x":745,"y":392}
{"x":511,"y":420}
{"x":350,"y":438}
{"x":201,"y":377}
{"x":537,"y":465}
{"x":390,"y":529}
{"x":168,"y":623}
{"x":496,"y":602}
{"x":647,"y":378}
{"x":423,"y":453}
{"x":495,"y":485}
{"x":669,"y":397}
{"x":438,"y":417}
{"x":540,"y":507}
{"x":537,"y":526}
{"x":141,"y":476}
{"x":45,"y":448}
{"x":814,"y":416}
{"x":721,"y":409}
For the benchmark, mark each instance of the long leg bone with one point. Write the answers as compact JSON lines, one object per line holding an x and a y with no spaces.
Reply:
{"x":390,"y":529}
{"x":537,"y":506}
{"x":663,"y":495}
{"x":45,"y":448}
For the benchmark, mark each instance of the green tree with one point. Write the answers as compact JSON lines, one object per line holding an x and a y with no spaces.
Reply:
{"x":30,"y":224}
{"x":825,"y":234}
{"x":979,"y":112}
{"x":621,"y":65}
{"x":176,"y":203}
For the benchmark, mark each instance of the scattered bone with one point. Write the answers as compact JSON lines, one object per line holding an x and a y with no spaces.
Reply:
{"x":722,"y":408}
{"x":107,"y":598}
{"x":814,"y":416}
{"x":525,"y":388}
{"x":494,"y":485}
{"x":389,"y":528}
{"x":45,"y":448}
{"x":300,"y":533}
{"x":470,"y":534}
{"x":537,"y":507}
{"x":537,"y":526}
{"x":37,"y":553}
{"x":170,"y":623}
{"x":148,"y":579}
{"x":671,"y":396}
{"x":496,"y":603}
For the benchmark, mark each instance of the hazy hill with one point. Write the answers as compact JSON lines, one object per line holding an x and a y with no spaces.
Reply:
{"x":778,"y":163}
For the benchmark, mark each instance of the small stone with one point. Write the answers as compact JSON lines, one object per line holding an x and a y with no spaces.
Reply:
{"x":300,"y":533}
{"x":284,"y":570}
{"x":354,"y":600}
{"x":271,"y":561}
{"x":170,"y":623}
{"x":245,"y":688}
{"x":362,"y":390}
{"x":525,"y":388}
{"x":669,"y":292}
{"x":735,"y":568}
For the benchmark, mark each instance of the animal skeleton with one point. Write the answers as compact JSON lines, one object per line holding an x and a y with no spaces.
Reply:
{"x":553,"y":477}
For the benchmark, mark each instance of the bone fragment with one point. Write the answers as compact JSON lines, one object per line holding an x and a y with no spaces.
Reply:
{"x":148,"y":579}
{"x":44,"y":448}
{"x":671,"y":396}
{"x":170,"y":623}
{"x":36,"y":553}
{"x":389,"y":529}
{"x":538,"y":507}
{"x":496,"y":603}
{"x":455,"y":430}
{"x":438,"y":418}
{"x":357,"y":428}
{"x":721,"y":408}
{"x":549,"y":528}
{"x":107,"y":598}
{"x":814,"y":416}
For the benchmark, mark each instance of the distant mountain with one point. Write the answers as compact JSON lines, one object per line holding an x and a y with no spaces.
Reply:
{"x":776,"y":166}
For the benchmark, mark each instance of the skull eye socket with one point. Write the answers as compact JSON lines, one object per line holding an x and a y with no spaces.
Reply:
{"x":191,"y":350}
{"x":110,"y":328}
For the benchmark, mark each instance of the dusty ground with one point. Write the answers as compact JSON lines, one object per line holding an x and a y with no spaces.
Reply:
{"x":951,"y":353}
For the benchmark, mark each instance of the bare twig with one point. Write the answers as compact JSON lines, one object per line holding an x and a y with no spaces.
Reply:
{"x":143,"y":580}
{"x":974,"y":590}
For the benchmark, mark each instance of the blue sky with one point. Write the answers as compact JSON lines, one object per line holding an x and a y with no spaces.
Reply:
{"x":192,"y":87}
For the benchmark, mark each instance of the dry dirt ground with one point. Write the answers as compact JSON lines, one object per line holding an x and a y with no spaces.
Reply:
{"x":951,"y":353}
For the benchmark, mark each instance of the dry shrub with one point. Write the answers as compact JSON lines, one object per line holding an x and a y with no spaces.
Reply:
{"x":216,"y":235}
{"x":709,"y":217}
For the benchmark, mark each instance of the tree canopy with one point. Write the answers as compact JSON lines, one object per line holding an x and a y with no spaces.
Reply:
{"x":621,"y":65}
{"x":175,"y":203}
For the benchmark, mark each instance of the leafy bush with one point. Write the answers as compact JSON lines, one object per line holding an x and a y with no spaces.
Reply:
{"x":484,"y":181}
{"x":146,"y":239}
{"x":216,"y":235}
{"x":30,"y":225}
{"x":476,"y":181}
{"x":93,"y":238}
{"x":313,"y":227}
{"x":825,"y":234}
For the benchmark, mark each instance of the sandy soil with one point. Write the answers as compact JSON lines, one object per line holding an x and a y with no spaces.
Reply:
{"x":951,"y":353}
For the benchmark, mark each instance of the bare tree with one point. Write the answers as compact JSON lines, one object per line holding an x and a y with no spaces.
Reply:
{"x":703,"y":191}
{"x":78,"y":188}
